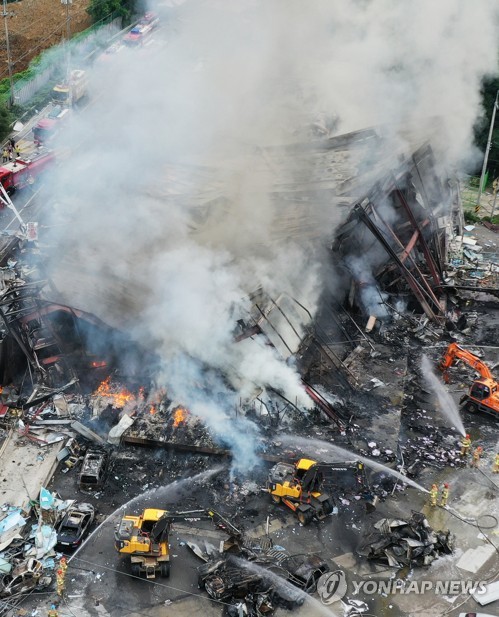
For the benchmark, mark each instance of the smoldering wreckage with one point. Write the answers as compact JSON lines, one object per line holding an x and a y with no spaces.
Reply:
{"x":411,"y":279}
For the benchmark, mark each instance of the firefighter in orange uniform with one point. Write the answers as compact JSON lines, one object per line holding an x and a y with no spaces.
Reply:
{"x":475,"y":463}
{"x":444,"y":495}
{"x":465,"y":445}
{"x":433,"y":495}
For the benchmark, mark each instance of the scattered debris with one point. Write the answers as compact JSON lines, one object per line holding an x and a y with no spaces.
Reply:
{"x":401,"y":543}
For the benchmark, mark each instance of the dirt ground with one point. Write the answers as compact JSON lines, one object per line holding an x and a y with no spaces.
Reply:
{"x":35,"y":25}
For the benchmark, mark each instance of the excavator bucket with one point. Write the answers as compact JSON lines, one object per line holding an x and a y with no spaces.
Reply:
{"x":159,"y":532}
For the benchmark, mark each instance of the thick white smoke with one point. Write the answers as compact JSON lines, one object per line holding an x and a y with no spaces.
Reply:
{"x":178,"y":200}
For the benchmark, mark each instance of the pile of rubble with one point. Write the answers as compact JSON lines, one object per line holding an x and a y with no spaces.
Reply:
{"x":472,"y":266}
{"x":28,"y":556}
{"x":399,"y":543}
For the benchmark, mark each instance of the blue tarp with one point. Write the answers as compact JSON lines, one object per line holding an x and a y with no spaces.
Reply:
{"x":13,"y":519}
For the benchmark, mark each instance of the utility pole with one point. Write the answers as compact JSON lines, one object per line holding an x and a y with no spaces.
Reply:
{"x":487,"y":150}
{"x":9,"y":58}
{"x":68,"y":36}
{"x":68,"y":21}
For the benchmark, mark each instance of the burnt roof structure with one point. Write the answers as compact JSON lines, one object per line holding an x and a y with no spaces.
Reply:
{"x":394,"y":241}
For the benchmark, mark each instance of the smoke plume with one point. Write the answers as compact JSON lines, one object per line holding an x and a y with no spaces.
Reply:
{"x":184,"y":193}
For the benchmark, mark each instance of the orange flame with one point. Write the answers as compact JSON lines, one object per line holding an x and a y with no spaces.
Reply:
{"x":179,"y":417}
{"x":152,"y":410}
{"x":117,"y":398}
{"x":99,"y":364}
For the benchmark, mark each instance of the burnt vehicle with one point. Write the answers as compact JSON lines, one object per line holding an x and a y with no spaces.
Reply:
{"x":93,"y":470}
{"x":235,"y":581}
{"x":304,"y":571}
{"x":23,"y":578}
{"x":75,"y":524}
{"x":223,"y":580}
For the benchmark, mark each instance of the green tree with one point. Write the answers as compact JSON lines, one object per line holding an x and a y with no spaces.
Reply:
{"x":489,"y":92}
{"x":100,"y":10}
{"x":5,"y":121}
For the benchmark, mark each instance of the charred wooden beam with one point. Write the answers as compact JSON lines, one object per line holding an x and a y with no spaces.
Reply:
{"x":186,"y":447}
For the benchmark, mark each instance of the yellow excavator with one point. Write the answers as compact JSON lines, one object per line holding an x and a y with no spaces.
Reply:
{"x":144,"y":537}
{"x":299,"y":486}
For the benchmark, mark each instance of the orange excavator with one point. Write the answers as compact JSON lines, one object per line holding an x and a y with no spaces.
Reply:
{"x":483,"y":394}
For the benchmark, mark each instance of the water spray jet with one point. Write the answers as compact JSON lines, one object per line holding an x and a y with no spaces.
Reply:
{"x":163,"y":493}
{"x":446,"y":403}
{"x":279,"y":582}
{"x":336,"y":453}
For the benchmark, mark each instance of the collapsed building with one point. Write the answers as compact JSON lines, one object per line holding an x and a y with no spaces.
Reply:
{"x":71,"y":372}
{"x":389,"y":256}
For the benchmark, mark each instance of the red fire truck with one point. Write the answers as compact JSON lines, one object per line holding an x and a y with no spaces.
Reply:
{"x":47,"y":128}
{"x":23,"y":171}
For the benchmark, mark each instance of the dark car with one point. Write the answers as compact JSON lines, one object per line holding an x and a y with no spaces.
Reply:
{"x":223,"y":580}
{"x":75,"y":525}
{"x":226,"y":580}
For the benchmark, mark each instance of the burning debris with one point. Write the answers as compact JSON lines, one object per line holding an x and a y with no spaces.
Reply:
{"x":249,"y":342}
{"x":110,"y":394}
{"x":179,"y":417}
{"x":399,"y":543}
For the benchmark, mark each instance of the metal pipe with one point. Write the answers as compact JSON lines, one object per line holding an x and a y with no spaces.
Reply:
{"x":430,"y":262}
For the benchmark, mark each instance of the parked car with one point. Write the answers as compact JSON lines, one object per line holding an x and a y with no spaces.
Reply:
{"x":93,"y":470}
{"x":75,"y":525}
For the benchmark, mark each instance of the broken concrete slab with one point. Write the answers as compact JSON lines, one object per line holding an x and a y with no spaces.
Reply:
{"x":347,"y":560}
{"x":491,"y":594}
{"x":24,"y":467}
{"x":475,"y":558}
